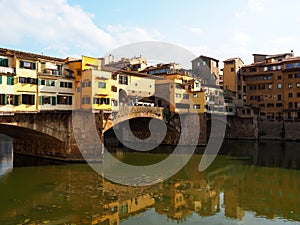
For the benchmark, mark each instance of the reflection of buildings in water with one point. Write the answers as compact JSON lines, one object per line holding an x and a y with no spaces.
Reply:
{"x":178,"y":200}
{"x":117,"y":210}
{"x":6,"y":154}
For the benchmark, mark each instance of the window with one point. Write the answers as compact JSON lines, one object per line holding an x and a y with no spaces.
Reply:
{"x":270,"y":86}
{"x":290,"y":105}
{"x":27,"y":65}
{"x":41,"y":82}
{"x":232,"y":69}
{"x":253,"y":87}
{"x":270,"y":105}
{"x":50,"y":83}
{"x":182,"y":106}
{"x":204,"y":63}
{"x":10,"y":80}
{"x":64,"y":100}
{"x":185,"y":96}
{"x":45,"y":100}
{"x":279,"y":105}
{"x":4,"y":62}
{"x":101,"y":85}
{"x":297,"y":75}
{"x":28,"y":99}
{"x":102,"y":101}
{"x":198,"y":64}
{"x":279,"y":86}
{"x":195,"y":95}
{"x":178,"y":95}
{"x":27,"y":80}
{"x":279,"y":77}
{"x":290,"y":85}
{"x":252,"y":69}
{"x":64,"y":84}
{"x":289,"y":66}
{"x":290,"y":95}
{"x":261,"y":105}
{"x":114,"y":89}
{"x":79,"y":72}
{"x":279,"y":67}
{"x":123,"y":79}
{"x":279,"y":97}
{"x":261,"y":87}
{"x":290,"y":76}
{"x":196,"y":106}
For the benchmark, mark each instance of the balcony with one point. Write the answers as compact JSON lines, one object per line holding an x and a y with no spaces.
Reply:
{"x":7,"y":70}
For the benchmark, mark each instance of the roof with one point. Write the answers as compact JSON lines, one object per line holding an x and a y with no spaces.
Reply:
{"x":28,"y":55}
{"x":206,"y":57}
{"x":232,"y":59}
{"x":133,"y":73}
{"x":263,"y":63}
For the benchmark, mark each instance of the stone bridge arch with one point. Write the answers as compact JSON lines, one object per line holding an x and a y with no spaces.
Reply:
{"x":51,"y":125}
{"x":131,"y":112}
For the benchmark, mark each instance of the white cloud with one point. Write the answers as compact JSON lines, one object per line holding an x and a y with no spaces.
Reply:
{"x":62,"y":27}
{"x":256,"y":5}
{"x":242,"y":38}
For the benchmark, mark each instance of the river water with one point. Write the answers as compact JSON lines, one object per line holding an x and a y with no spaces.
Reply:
{"x":248,"y":183}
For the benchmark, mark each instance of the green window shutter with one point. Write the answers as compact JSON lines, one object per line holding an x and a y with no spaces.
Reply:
{"x":0,"y":79}
{"x":5,"y":99}
{"x":33,"y":66}
{"x":61,"y":84}
{"x":39,"y":82}
{"x":41,"y":100}
{"x":70,"y":100}
{"x":21,"y":64}
{"x":10,"y":80}
{"x":53,"y":100}
{"x":16,"y":100}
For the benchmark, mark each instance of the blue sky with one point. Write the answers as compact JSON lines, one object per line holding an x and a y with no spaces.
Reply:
{"x":219,"y":29}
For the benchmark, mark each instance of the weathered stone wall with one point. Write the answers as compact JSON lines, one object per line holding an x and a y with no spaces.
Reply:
{"x":279,"y":130}
{"x":241,"y":128}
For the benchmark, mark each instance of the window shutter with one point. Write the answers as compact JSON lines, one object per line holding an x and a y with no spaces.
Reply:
{"x":0,"y":79}
{"x":21,"y":64}
{"x":5,"y":62}
{"x":70,"y":100}
{"x":33,"y":66}
{"x":53,"y":102}
{"x":41,"y":100}
{"x":5,"y":99}
{"x":16,"y":100}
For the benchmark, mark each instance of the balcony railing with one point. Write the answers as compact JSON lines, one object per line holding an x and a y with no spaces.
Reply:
{"x":7,"y":70}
